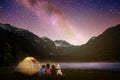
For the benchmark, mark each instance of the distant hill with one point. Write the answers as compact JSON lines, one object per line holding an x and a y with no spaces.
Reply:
{"x":16,"y":43}
{"x":105,"y":47}
{"x":62,"y":43}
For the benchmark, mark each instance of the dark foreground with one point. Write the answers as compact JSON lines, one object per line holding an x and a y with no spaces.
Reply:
{"x":69,"y":74}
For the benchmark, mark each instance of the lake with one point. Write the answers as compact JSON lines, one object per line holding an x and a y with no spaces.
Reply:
{"x":101,"y":66}
{"x":86,"y":66}
{"x":71,"y":71}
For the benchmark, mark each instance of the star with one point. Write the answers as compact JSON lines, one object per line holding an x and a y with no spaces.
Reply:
{"x":110,"y":10}
{"x":1,"y":7}
{"x":72,"y":20}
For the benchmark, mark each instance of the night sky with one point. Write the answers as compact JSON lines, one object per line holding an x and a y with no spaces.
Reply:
{"x":75,"y":21}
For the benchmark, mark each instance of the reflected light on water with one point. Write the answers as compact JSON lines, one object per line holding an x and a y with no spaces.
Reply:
{"x":106,"y":66}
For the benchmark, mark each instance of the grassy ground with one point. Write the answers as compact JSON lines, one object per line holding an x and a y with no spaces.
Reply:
{"x":8,"y":74}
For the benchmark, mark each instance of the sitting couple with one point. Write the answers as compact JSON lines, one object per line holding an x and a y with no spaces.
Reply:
{"x":47,"y":70}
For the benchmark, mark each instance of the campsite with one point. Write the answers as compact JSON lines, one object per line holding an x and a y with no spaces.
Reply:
{"x":28,"y":69}
{"x":70,"y":74}
{"x":59,"y":39}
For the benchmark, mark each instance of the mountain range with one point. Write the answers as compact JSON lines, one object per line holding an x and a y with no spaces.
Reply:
{"x":104,"y":47}
{"x":17,"y":43}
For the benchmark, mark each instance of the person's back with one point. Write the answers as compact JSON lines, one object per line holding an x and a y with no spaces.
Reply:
{"x":42,"y":70}
{"x":53,"y":70}
{"x":59,"y":72}
{"x":47,"y":70}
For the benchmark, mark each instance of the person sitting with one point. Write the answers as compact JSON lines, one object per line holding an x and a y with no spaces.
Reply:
{"x":53,"y":70}
{"x":42,"y":70}
{"x":59,"y":72}
{"x":47,"y":70}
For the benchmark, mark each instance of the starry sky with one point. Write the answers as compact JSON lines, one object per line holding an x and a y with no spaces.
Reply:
{"x":75,"y":21}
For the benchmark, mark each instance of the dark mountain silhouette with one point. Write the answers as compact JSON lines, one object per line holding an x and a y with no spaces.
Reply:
{"x":16,"y":43}
{"x":105,"y":47}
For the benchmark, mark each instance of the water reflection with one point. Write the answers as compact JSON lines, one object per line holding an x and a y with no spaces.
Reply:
{"x":105,"y":66}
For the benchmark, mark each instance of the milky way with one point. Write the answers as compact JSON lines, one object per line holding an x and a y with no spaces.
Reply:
{"x":75,"y":21}
{"x":52,"y":15}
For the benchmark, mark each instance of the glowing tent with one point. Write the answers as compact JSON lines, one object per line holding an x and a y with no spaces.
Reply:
{"x":29,"y":66}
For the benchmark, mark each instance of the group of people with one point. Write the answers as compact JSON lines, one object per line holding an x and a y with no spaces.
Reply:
{"x":50,"y":70}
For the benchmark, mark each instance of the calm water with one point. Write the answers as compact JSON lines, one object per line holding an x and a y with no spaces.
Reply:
{"x":86,"y":66}
{"x":101,"y":66}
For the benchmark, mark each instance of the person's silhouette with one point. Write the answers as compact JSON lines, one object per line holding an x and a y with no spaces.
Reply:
{"x":53,"y":70}
{"x":47,"y":70}
{"x":42,"y":70}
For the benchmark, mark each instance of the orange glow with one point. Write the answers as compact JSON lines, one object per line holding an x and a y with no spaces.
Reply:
{"x":28,"y":66}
